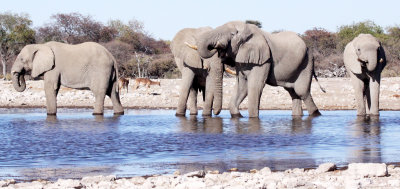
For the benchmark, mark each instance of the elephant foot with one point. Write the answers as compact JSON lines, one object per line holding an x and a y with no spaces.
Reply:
{"x":119,"y":113}
{"x":217,"y":112}
{"x":193,"y":113}
{"x":316,"y":113}
{"x":206,"y":114}
{"x":98,"y":113}
{"x":51,"y":114}
{"x":374,"y":115}
{"x":236,"y":115}
{"x":179,"y":114}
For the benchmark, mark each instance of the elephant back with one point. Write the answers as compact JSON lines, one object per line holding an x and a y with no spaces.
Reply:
{"x":181,"y":51}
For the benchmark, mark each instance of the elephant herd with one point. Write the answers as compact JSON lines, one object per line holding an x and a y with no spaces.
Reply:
{"x":201,"y":54}
{"x":277,"y":59}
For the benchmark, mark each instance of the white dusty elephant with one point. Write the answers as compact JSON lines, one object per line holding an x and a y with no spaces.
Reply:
{"x":364,"y":59}
{"x":198,"y":74}
{"x":279,"y":59}
{"x":83,"y":66}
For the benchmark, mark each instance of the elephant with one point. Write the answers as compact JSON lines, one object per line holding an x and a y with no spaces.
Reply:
{"x":83,"y":66}
{"x":364,"y":59}
{"x":279,"y":59}
{"x":198,"y":74}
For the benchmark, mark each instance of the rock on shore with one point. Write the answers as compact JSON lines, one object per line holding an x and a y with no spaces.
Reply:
{"x":339,"y":95}
{"x":358,"y":175}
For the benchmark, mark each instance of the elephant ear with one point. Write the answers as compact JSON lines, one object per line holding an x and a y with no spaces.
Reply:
{"x":381,"y":56}
{"x":42,"y":60}
{"x":254,"y":49}
{"x":350,"y":59}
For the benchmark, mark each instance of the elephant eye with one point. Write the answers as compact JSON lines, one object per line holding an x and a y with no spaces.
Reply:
{"x":358,"y":49}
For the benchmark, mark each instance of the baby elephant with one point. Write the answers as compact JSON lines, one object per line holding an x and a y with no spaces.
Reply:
{"x":83,"y":66}
{"x":365,"y":59}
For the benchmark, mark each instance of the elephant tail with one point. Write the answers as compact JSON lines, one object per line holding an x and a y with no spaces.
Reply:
{"x":315,"y":75}
{"x":114,"y":76}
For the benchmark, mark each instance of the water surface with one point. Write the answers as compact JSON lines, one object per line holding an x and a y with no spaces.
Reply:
{"x":146,"y":142}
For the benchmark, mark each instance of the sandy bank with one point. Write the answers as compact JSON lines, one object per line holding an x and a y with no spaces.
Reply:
{"x":357,"y":175}
{"x":339,"y":95}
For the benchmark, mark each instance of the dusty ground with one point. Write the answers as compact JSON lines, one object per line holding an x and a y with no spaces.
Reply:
{"x":339,"y":95}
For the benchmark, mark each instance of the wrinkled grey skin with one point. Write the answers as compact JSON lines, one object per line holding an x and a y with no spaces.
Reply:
{"x":83,"y":66}
{"x":197,"y":74}
{"x":364,"y":59}
{"x":279,"y":59}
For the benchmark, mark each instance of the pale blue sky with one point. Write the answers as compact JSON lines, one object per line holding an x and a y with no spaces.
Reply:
{"x":163,"y":18}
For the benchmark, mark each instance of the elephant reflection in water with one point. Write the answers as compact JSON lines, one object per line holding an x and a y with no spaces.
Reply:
{"x":203,"y":125}
{"x":368,"y":130}
{"x":299,"y":125}
{"x":253,"y":125}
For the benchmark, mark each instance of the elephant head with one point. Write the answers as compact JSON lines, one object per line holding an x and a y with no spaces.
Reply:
{"x":244,"y":43}
{"x":369,"y":53}
{"x":36,"y":59}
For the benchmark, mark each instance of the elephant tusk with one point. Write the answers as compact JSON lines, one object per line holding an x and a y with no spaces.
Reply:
{"x":218,"y":45}
{"x":229,"y":71}
{"x":381,"y":60}
{"x":207,"y":68}
{"x":191,"y":46}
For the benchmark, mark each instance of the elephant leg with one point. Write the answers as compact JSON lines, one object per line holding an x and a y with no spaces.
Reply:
{"x":359,"y":92}
{"x":192,"y":101}
{"x":100,"y":87}
{"x":51,"y":98}
{"x":297,"y":109}
{"x":373,"y":97}
{"x":209,"y":97}
{"x":302,"y":87}
{"x":239,"y":93}
{"x":99,"y":103}
{"x":51,"y":88}
{"x":256,"y":82}
{"x":367,"y":98}
{"x":186,"y":84}
{"x":311,"y":107}
{"x":114,"y":95}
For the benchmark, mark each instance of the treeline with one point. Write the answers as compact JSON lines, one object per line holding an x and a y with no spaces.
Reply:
{"x":140,"y":55}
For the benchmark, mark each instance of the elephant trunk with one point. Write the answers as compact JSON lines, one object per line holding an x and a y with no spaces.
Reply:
{"x":372,"y":62}
{"x":218,"y":78}
{"x":206,"y":45}
{"x":18,"y":79}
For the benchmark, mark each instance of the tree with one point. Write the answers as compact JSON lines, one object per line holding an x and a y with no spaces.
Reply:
{"x":134,"y":34}
{"x":392,"y":50}
{"x":348,"y":32}
{"x":75,"y":28}
{"x":255,"y":22}
{"x":322,"y":45}
{"x":15,"y":33}
{"x":320,"y":40}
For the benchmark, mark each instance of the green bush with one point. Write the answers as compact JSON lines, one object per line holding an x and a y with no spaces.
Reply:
{"x":348,"y":32}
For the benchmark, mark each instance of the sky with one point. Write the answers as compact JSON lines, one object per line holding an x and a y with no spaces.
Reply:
{"x":164,"y":18}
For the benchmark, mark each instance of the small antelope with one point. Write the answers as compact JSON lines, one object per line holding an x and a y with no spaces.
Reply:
{"x":146,"y":82}
{"x":123,"y":83}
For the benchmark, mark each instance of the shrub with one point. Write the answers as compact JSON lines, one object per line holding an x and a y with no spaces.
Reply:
{"x":163,"y":66}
